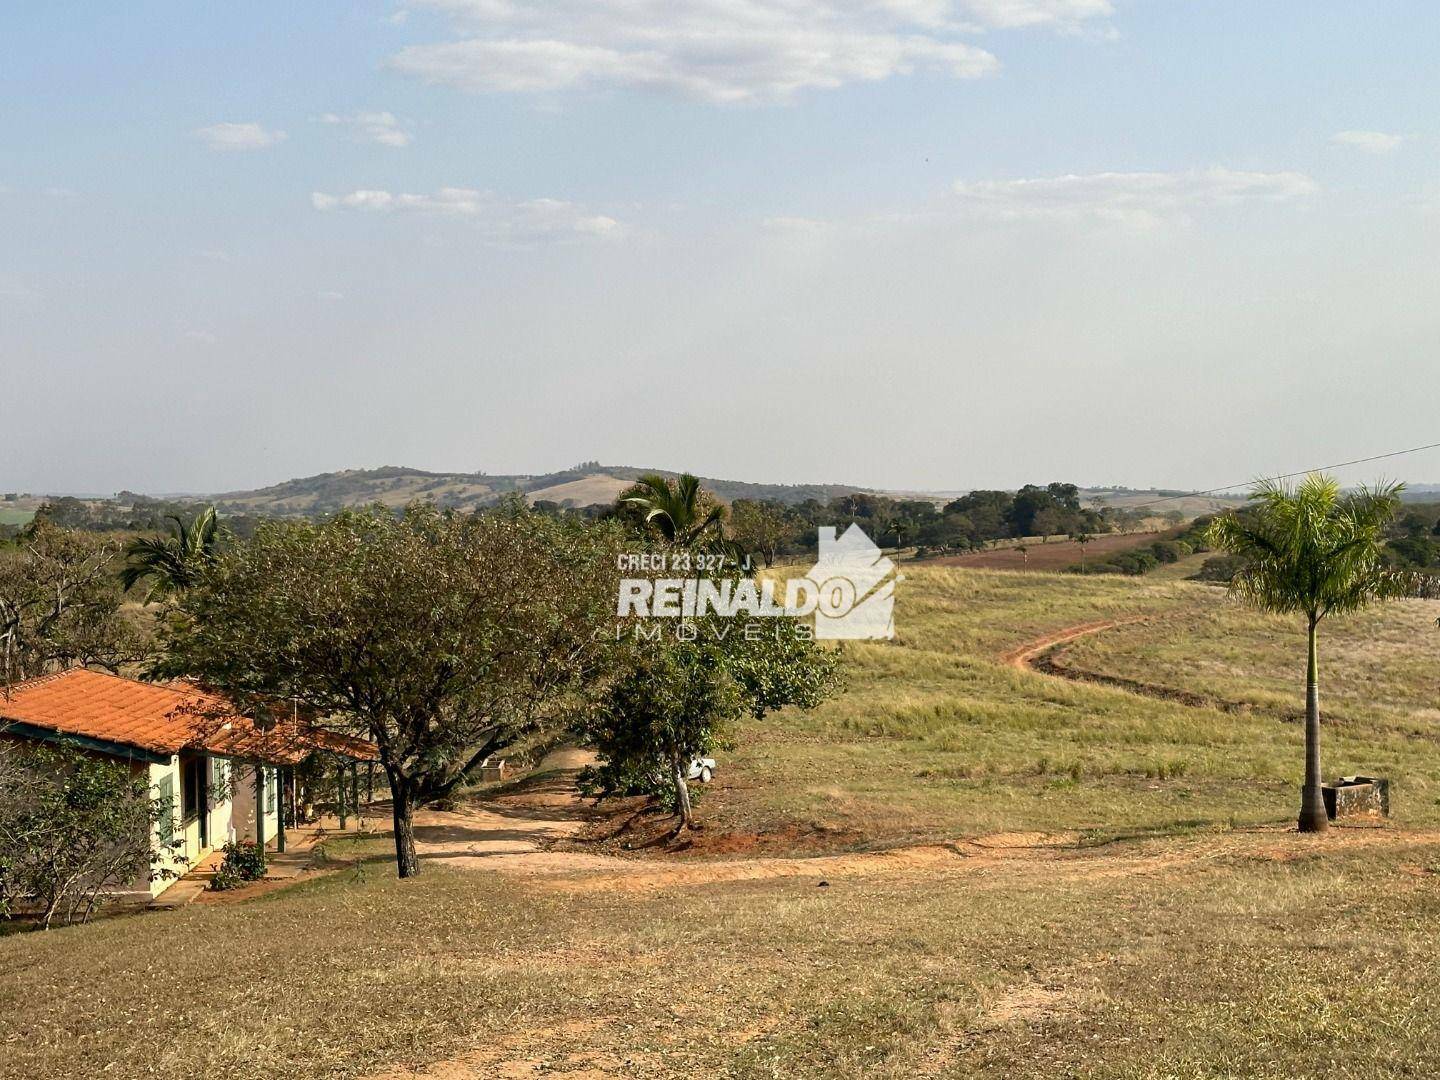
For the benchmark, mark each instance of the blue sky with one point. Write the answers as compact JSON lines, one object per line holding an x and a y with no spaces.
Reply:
{"x":920,"y":243}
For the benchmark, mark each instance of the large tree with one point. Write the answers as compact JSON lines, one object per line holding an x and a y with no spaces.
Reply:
{"x":763,"y":528}
{"x":444,"y":637}
{"x":1318,"y":552}
{"x":61,"y":604}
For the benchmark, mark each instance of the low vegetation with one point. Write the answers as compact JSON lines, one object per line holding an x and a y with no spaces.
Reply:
{"x":1112,"y":887}
{"x":75,"y":831}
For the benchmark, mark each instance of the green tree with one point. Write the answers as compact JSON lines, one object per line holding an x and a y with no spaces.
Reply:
{"x":1083,"y":539}
{"x":1316,"y":552}
{"x":61,"y":605}
{"x":74,"y":830}
{"x":681,"y":512}
{"x":444,"y":637}
{"x":762,"y":528}
{"x":683,"y":695}
{"x":174,"y":562}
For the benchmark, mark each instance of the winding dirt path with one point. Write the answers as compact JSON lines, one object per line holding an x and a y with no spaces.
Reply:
{"x":1024,"y":656}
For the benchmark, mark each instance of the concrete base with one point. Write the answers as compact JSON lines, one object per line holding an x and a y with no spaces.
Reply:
{"x":1357,"y":797}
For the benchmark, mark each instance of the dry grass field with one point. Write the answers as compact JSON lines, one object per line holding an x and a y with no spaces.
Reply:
{"x":1108,"y":887}
{"x":1052,"y":554}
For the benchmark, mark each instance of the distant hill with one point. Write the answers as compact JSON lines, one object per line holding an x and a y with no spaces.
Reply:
{"x":394,"y":485}
{"x":1160,"y":500}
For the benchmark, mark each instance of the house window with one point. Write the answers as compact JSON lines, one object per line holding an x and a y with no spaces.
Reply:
{"x":219,"y":782}
{"x":272,"y":783}
{"x":192,"y":788}
{"x":165,"y":799}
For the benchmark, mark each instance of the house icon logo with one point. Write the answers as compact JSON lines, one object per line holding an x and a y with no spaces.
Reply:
{"x":855,"y":583}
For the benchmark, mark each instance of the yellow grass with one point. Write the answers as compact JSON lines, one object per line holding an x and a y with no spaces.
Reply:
{"x":1199,"y":950}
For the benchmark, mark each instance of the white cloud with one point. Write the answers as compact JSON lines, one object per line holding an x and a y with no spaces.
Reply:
{"x":1140,"y":199}
{"x":719,"y":51}
{"x":200,"y":337}
{"x":383,"y":128}
{"x":330,"y":294}
{"x":796,"y":226}
{"x":1010,"y":14}
{"x":1371,"y":142}
{"x":501,"y":219}
{"x":249,"y":136}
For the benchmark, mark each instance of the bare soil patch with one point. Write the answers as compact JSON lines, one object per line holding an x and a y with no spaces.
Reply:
{"x":1052,"y":556}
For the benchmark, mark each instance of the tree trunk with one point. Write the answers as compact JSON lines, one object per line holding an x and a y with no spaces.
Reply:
{"x":402,"y":798}
{"x":1312,"y":799}
{"x":682,"y":796}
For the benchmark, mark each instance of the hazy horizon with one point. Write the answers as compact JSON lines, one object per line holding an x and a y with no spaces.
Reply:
{"x":928,"y":244}
{"x":896,"y":488}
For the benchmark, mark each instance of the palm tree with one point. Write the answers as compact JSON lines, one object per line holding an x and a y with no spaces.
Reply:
{"x":1082,"y":538}
{"x":678,"y":512}
{"x":899,"y":526}
{"x":172,"y":563}
{"x":1024,"y":553}
{"x":1317,"y":552}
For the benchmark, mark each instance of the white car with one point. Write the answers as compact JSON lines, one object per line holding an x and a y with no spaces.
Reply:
{"x":702,"y":769}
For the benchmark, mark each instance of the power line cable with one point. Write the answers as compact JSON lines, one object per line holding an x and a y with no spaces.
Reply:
{"x":1285,"y":476}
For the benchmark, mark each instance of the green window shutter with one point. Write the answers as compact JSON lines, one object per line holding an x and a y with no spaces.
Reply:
{"x":165,"y":797}
{"x":272,"y":783}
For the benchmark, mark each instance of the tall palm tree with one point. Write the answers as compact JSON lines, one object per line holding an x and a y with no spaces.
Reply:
{"x":1082,"y":538}
{"x":1316,"y":552}
{"x":677,"y":511}
{"x":172,"y":563}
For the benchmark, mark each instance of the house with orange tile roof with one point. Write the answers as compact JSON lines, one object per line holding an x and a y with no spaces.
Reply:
{"x":227,"y":777}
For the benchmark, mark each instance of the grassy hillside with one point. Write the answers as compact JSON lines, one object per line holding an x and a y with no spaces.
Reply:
{"x":398,"y":485}
{"x":937,"y":737}
{"x":1202,"y":948}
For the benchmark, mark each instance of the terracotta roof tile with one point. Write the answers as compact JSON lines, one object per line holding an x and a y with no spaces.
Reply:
{"x":163,"y":719}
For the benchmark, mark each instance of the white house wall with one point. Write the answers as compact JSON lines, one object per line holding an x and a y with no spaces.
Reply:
{"x":243,"y":795}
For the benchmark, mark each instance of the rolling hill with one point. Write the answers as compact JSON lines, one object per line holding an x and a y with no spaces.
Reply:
{"x":394,"y":485}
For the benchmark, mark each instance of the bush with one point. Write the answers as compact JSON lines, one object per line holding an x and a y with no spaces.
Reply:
{"x":244,"y":862}
{"x":75,"y":829}
{"x":1169,"y":551}
{"x":1219,"y":568}
{"x":1095,"y":568}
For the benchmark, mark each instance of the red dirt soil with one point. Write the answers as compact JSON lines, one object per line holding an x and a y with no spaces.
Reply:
{"x":1056,"y":555}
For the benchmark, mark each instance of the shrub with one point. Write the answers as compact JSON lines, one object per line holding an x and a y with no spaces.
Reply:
{"x":75,"y":829}
{"x":244,"y":862}
{"x":1219,"y":568}
{"x":1169,"y":551}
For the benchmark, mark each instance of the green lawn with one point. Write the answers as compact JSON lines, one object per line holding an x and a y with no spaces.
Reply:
{"x":15,"y":517}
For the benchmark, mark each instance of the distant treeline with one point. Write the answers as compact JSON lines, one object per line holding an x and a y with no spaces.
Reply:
{"x":131,"y":513}
{"x":1413,"y":542}
{"x":772,"y":529}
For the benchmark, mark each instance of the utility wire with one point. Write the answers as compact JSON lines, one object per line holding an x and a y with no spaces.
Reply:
{"x":1285,"y":476}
